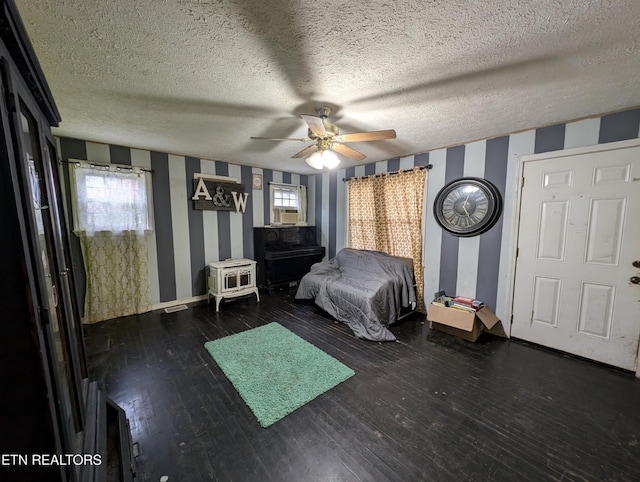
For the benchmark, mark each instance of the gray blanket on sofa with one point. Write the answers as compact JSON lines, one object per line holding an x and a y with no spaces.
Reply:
{"x":364,"y":289}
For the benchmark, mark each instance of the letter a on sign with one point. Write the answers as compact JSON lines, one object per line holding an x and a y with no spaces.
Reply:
{"x":201,"y":190}
{"x":240,"y":202}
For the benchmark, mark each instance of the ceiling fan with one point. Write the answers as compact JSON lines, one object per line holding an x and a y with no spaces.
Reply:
{"x":328,"y":140}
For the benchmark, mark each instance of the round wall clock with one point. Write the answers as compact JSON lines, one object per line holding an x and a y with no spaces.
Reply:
{"x":467,"y":206}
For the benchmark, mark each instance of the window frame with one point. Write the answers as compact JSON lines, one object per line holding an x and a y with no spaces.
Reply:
{"x":105,"y":169}
{"x":289,"y":191}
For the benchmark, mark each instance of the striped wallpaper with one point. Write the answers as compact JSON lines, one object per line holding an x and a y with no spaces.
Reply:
{"x":479,"y":266}
{"x":184,"y":239}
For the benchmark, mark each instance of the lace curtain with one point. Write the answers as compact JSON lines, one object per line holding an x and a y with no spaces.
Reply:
{"x":302,"y":204}
{"x":111,"y":217}
{"x":385,"y":214}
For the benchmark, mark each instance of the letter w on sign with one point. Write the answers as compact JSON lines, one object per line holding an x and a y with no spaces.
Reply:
{"x":240,"y":201}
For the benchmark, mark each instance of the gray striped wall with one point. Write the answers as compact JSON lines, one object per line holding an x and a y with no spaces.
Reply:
{"x":184,"y":239}
{"x":478,"y":266}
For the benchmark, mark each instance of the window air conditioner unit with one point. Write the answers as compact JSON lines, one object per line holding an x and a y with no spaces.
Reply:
{"x":289,"y":218}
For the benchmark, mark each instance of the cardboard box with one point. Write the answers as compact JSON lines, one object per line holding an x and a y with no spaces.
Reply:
{"x":464,"y":324}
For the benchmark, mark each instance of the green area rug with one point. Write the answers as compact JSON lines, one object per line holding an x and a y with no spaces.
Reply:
{"x":276,"y":371}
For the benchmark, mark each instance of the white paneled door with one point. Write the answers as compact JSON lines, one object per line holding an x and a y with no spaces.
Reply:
{"x":579,"y":255}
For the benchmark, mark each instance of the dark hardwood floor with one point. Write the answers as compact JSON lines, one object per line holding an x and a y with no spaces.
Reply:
{"x":428,"y":407}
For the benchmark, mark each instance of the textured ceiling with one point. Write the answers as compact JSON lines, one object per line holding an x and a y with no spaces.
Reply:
{"x":199,"y":77}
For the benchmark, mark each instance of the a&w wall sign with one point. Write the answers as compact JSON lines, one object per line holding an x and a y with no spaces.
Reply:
{"x":217,"y":195}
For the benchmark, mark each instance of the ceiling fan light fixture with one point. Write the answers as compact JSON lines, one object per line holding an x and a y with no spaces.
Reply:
{"x":323,"y":158}
{"x":315,"y":160}
{"x":329,"y":159}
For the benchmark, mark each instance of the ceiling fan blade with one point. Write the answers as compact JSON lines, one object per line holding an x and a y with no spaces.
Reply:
{"x":305,"y":151}
{"x":303,"y":139}
{"x":367,"y":136}
{"x":315,"y":125}
{"x":346,"y":151}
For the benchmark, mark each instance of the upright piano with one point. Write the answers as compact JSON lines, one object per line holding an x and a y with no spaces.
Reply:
{"x":284,"y":254}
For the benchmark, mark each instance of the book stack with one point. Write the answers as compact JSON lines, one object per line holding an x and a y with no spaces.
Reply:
{"x":458,"y":302}
{"x":465,"y":303}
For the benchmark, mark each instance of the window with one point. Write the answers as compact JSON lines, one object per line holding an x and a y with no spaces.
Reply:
{"x":110,"y":198}
{"x":288,"y":203}
{"x":285,"y":199}
{"x":111,"y":215}
{"x":385,"y":213}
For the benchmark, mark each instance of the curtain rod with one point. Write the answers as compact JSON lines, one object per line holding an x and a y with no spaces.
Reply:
{"x":427,"y":167}
{"x":285,"y":184}
{"x":119,"y":167}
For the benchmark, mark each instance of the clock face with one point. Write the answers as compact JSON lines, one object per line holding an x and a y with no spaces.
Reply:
{"x":468,"y":206}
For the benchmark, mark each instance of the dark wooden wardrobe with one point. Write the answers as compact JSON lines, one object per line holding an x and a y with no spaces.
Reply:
{"x":55,"y":425}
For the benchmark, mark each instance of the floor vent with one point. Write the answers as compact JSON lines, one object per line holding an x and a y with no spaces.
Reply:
{"x":173,"y":309}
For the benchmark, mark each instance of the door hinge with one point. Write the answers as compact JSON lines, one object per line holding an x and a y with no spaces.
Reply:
{"x":511,"y":323}
{"x":517,"y":252}
{"x":44,"y":316}
{"x":11,"y":103}
{"x":522,"y":181}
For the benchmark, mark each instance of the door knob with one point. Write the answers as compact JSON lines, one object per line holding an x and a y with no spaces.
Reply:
{"x":635,"y":280}
{"x":636,"y":263}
